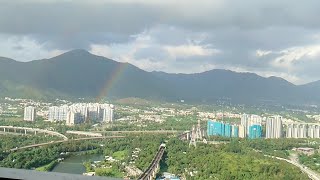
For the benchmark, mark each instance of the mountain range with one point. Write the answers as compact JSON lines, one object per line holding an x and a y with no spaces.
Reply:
{"x":78,"y":73}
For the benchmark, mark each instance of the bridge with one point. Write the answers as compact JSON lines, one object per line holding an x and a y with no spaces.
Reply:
{"x":85,"y":133}
{"x":140,"y":132}
{"x":25,"y":130}
{"x":151,"y":172}
{"x":61,"y":141}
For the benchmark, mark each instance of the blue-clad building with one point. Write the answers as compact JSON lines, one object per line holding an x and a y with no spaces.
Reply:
{"x":227,"y":130}
{"x":215,"y":128}
{"x":210,"y":128}
{"x":218,"y":129}
{"x":255,"y":131}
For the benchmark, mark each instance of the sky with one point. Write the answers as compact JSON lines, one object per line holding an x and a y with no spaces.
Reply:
{"x":267,"y":37}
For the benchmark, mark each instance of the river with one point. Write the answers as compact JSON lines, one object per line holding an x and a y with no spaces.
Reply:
{"x":74,"y":163}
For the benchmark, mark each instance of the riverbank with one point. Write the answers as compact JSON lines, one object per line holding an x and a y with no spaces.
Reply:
{"x":74,"y":163}
{"x":47,"y":167}
{"x":53,"y":164}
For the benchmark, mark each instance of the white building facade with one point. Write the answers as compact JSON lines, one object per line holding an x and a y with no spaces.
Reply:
{"x":29,"y":113}
{"x":274,"y":127}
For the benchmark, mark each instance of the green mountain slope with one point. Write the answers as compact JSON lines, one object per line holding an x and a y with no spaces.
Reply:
{"x":80,"y":74}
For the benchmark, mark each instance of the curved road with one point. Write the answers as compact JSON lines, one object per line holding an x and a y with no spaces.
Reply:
{"x":34,"y":130}
{"x":55,"y":142}
{"x":313,"y":175}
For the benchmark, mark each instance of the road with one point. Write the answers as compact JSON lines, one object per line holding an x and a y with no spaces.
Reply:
{"x":85,"y":133}
{"x":61,"y":141}
{"x":28,"y":129}
{"x":312,"y":175}
{"x":147,"y":132}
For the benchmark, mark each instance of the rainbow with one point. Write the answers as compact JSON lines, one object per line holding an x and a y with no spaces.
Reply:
{"x":115,"y":76}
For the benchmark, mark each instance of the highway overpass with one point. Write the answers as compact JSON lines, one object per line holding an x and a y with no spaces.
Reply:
{"x":25,"y":130}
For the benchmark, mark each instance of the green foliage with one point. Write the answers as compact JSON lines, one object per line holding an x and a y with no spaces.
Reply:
{"x":57,"y":126}
{"x":120,"y":155}
{"x":111,"y":172}
{"x":235,"y":160}
{"x":177,"y":123}
{"x":11,"y":141}
{"x":276,"y":147}
{"x":37,"y":157}
{"x":48,"y":167}
{"x":88,"y":166}
{"x":312,"y":161}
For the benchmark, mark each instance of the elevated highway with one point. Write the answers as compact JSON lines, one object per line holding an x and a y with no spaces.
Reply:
{"x":25,"y":130}
{"x":85,"y":133}
{"x":141,"y":132}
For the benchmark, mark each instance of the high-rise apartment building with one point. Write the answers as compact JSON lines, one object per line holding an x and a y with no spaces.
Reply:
{"x":255,"y":131}
{"x":235,"y":131}
{"x":215,"y":128}
{"x":58,"y":113}
{"x":227,"y":130}
{"x":74,"y":118}
{"x":108,"y":113}
{"x":245,"y":122}
{"x":29,"y":113}
{"x":242,"y":132}
{"x":274,"y":127}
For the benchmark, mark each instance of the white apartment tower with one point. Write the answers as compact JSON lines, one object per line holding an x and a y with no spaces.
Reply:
{"x":108,"y":113}
{"x":245,"y":122}
{"x":29,"y":113}
{"x":242,"y":131}
{"x":274,"y":127}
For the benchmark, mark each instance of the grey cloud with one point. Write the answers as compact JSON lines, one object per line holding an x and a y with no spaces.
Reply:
{"x":129,"y":18}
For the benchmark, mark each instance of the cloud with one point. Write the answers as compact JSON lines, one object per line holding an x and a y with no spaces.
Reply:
{"x":268,"y":37}
{"x":24,"y":48}
{"x":289,"y":57}
{"x":189,"y":50}
{"x":260,"y":53}
{"x":149,"y":51}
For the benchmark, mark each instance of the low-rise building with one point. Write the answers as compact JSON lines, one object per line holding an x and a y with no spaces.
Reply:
{"x":304,"y":150}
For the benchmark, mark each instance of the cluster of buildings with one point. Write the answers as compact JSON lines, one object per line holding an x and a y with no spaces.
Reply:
{"x":215,"y":128}
{"x":249,"y":127}
{"x":81,"y":112}
{"x":296,"y":130}
{"x":75,"y":113}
